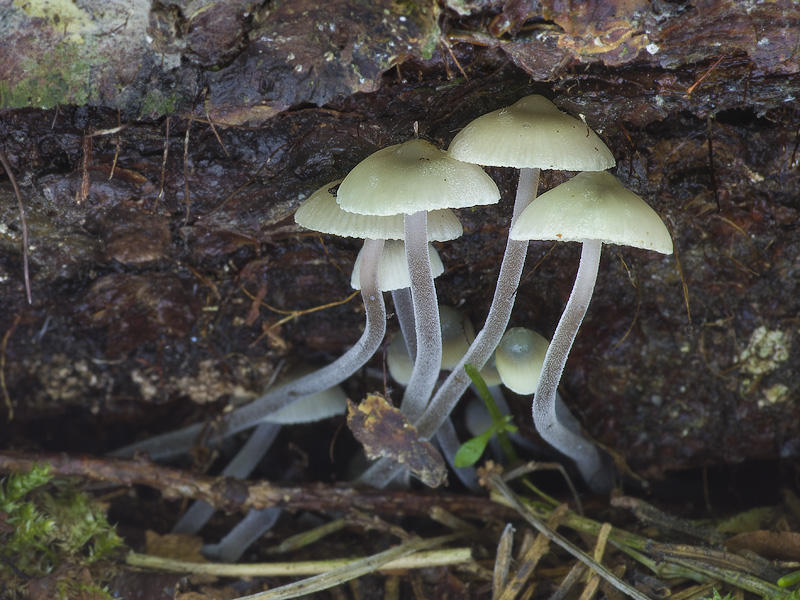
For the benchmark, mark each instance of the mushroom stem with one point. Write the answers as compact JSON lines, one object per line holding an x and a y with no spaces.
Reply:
{"x":404,"y":309}
{"x":255,"y":524}
{"x":447,"y":396}
{"x":428,"y":359}
{"x":241,"y":466}
{"x":549,"y":420}
{"x":182,"y":440}
{"x":496,"y":320}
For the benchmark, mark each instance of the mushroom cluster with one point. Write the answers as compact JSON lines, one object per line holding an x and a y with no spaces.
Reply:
{"x":400,"y":199}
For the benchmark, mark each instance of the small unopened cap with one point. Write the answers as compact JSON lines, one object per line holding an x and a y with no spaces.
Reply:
{"x":532,"y":133}
{"x":593,"y":206}
{"x":393,"y":267}
{"x":489,"y":372}
{"x":320,"y":212}
{"x":316,"y":407}
{"x":411,"y":177}
{"x":457,"y":335}
{"x":519,"y":356}
{"x":398,"y":360}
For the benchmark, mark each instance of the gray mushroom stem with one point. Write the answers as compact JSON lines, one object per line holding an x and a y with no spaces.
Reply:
{"x":250,"y":415}
{"x":496,"y":322}
{"x":453,"y":388}
{"x":241,"y":466}
{"x":426,"y":318}
{"x":549,"y":420}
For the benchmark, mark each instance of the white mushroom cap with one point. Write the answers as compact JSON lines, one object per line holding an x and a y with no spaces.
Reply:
{"x":320,"y":212}
{"x":457,"y":335}
{"x":593,"y":206}
{"x":316,"y":407}
{"x":520,"y":355}
{"x":414,"y":176}
{"x":489,"y":372}
{"x":532,"y":133}
{"x":398,"y":360}
{"x":393,"y":267}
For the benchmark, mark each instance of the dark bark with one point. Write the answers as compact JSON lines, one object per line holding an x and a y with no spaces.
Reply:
{"x":149,"y":242}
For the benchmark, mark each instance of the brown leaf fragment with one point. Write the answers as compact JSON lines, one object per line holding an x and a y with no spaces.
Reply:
{"x":179,"y":546}
{"x":384,"y":431}
{"x":777,"y":545}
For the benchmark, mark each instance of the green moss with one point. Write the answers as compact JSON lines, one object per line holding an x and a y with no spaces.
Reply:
{"x":157,"y":104}
{"x":429,"y":47}
{"x":60,"y":76}
{"x":47,"y":524}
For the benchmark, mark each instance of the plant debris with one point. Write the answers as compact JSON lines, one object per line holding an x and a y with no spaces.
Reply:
{"x":385,"y":432}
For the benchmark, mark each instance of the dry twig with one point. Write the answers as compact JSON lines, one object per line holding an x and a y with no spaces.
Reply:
{"x":235,"y":495}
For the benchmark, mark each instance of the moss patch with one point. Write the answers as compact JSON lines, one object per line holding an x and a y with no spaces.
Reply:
{"x":60,"y":76}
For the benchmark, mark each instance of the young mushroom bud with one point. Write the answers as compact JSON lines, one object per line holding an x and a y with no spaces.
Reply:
{"x":519,"y":357}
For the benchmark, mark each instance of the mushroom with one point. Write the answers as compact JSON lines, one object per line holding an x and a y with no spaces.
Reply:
{"x":412,"y":179}
{"x":319,"y":211}
{"x":532,"y":134}
{"x":519,"y":358}
{"x":393,"y":271}
{"x":592,"y":208}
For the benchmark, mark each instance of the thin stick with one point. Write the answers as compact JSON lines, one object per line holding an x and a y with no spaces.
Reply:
{"x":502,"y":562}
{"x":3,"y":367}
{"x":532,"y":556}
{"x":116,"y":150}
{"x":420,"y":560}
{"x":186,"y":201}
{"x":351,"y":571}
{"x":163,"y":167}
{"x":13,"y":179}
{"x":213,"y":128}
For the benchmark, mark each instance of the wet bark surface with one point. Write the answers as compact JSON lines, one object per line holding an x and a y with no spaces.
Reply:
{"x":159,"y":184}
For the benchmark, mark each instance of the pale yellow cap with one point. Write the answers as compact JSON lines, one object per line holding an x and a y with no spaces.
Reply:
{"x":393,"y":267}
{"x":457,"y":335}
{"x":593,"y":206}
{"x":320,"y":212}
{"x":411,"y":177}
{"x":532,"y":133}
{"x":519,"y":356}
{"x":399,"y":361}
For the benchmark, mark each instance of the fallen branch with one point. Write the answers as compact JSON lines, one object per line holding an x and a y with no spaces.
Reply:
{"x":234,"y":495}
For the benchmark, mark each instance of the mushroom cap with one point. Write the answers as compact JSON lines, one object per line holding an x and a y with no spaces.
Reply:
{"x":414,"y":176}
{"x":457,"y":335}
{"x":489,"y":372}
{"x":320,"y":212}
{"x":316,"y":407}
{"x":532,"y":133}
{"x":519,"y":356}
{"x":393,"y":267}
{"x":398,"y":360}
{"x":593,"y":206}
